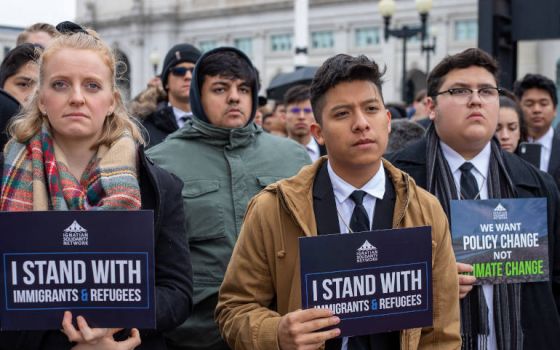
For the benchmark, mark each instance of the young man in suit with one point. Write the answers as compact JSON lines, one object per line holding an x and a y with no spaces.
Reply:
{"x":260,"y":299}
{"x":299,"y":117}
{"x":461,"y":159}
{"x":538,"y":99}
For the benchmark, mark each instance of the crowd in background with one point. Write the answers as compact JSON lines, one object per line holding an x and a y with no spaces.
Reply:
{"x":209,"y":155}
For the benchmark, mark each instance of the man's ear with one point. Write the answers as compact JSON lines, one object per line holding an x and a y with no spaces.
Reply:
{"x":431,"y":105}
{"x":389,"y":116}
{"x":317,"y":133}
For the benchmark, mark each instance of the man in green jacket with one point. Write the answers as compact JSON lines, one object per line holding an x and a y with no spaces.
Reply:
{"x":224,"y":159}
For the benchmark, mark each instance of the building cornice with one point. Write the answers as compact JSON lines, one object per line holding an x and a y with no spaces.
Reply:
{"x":175,"y":15}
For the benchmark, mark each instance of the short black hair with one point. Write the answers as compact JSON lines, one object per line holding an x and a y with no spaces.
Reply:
{"x":536,"y":81}
{"x":297,"y":94}
{"x":467,"y":58}
{"x":18,"y":57}
{"x":227,"y":64}
{"x":339,"y":69}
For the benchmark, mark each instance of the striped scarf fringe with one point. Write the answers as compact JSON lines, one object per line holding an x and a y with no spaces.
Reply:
{"x":35,"y":177}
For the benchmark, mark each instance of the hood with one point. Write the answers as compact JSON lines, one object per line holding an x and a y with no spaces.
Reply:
{"x":195,"y":101}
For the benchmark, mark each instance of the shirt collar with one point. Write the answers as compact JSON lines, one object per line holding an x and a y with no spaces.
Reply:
{"x":546,"y":139}
{"x":481,"y":161}
{"x":180,"y":113}
{"x":375,"y":187}
{"x":312,"y":146}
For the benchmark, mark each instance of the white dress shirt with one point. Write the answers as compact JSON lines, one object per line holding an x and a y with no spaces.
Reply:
{"x":181,"y":116}
{"x":312,"y":149}
{"x":374,"y":189}
{"x":546,"y":142}
{"x":481,"y":163}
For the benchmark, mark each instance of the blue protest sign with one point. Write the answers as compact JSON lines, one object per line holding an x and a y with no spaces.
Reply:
{"x":98,"y":264}
{"x":375,"y":281}
{"x":506,"y":240}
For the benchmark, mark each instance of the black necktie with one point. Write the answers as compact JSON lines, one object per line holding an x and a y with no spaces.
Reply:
{"x":359,"y":221}
{"x":469,"y":186}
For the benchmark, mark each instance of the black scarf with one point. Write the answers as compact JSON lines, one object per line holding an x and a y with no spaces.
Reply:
{"x":507,"y":297}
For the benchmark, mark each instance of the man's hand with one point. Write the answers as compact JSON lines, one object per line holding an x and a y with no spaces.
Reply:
{"x":298,"y":329}
{"x":96,"y":338}
{"x":465,"y":281}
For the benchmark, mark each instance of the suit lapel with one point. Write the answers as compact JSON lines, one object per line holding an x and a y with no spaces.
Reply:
{"x":384,"y":209}
{"x":326,"y":217}
{"x":324,"y":205}
{"x":554,"y":161}
{"x":322,"y":150}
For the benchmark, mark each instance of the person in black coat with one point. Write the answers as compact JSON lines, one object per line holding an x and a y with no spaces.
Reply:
{"x":538,"y":98}
{"x":19,"y":72}
{"x":176,"y":78}
{"x":79,"y":127}
{"x":160,"y":192}
{"x":9,"y":107}
{"x":463,"y":105}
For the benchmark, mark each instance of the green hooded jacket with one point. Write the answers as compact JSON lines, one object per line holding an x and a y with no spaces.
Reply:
{"x":222,"y":169}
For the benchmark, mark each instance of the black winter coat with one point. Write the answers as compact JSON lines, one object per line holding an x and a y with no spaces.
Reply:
{"x":540,"y":302}
{"x":9,"y":107}
{"x":159,"y":124}
{"x":161,"y":192}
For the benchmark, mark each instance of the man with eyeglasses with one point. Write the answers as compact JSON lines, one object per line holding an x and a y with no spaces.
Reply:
{"x":176,"y":79}
{"x":299,"y":117}
{"x":538,"y":99}
{"x":460,"y":159}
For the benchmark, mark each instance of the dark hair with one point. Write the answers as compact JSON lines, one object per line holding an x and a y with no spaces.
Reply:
{"x":339,"y":69}
{"x":266,"y":116}
{"x":536,"y":81}
{"x":420,"y":95}
{"x":468,"y":58}
{"x":508,"y":100}
{"x":18,"y":57}
{"x":403,"y":133}
{"x":227,"y":64}
{"x":277,"y":105}
{"x":34,"y":28}
{"x":397,"y":109}
{"x":297,"y":94}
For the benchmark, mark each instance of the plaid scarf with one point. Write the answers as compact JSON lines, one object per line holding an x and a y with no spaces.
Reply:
{"x":36,"y":177}
{"x":507,"y":297}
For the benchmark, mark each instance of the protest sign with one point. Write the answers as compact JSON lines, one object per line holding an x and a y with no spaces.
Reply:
{"x":506,"y":240}
{"x":375,"y":281}
{"x":98,"y":264}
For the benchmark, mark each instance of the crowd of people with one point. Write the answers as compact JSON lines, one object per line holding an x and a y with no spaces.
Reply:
{"x":233,"y":184}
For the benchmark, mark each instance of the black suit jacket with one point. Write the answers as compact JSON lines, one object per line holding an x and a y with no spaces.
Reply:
{"x":554,"y":162}
{"x":326,"y":216}
{"x":539,"y":319}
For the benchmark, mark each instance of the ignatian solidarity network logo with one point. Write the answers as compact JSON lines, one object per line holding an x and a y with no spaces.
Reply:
{"x":500,"y":213}
{"x":366,"y":253}
{"x":75,"y":234}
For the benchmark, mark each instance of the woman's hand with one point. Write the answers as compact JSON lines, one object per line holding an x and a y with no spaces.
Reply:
{"x":96,"y":338}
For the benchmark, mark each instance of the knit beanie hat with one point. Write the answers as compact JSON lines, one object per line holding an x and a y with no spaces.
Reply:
{"x":178,"y":54}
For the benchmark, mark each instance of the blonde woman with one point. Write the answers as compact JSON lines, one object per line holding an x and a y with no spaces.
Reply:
{"x":66,"y":147}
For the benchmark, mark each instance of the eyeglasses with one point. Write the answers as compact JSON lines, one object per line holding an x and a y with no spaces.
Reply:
{"x":463,"y":94}
{"x":297,"y":110}
{"x":181,"y":71}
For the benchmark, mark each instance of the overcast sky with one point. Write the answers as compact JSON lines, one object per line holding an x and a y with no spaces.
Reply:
{"x":21,"y":13}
